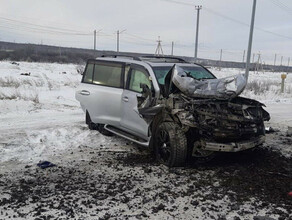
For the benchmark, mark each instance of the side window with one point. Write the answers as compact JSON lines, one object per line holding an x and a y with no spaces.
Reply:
{"x":138,"y":76}
{"x":108,"y":74}
{"x":87,"y":78}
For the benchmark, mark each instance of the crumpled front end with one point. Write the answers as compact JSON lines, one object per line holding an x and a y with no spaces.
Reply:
{"x":217,"y":118}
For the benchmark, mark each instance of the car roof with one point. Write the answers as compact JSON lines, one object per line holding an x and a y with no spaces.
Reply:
{"x":141,"y":62}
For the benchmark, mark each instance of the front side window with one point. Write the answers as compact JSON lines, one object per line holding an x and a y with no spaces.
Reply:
{"x":138,"y":76}
{"x":108,"y":74}
{"x":87,"y":78}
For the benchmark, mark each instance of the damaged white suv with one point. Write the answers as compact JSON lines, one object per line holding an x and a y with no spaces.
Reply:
{"x":177,"y":108}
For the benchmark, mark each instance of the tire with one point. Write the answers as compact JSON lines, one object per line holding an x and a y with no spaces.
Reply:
{"x":170,"y":145}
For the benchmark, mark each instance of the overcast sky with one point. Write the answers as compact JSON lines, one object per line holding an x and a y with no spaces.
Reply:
{"x":71,"y":23}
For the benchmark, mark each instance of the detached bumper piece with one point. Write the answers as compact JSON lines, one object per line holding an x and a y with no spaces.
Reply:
{"x":233,"y":146}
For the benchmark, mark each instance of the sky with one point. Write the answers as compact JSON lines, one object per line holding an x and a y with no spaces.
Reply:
{"x":224,"y":24}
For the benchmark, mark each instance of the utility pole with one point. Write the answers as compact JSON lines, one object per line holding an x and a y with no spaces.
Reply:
{"x":258,"y":62}
{"x":94,"y":43}
{"x":275,"y":61}
{"x":250,"y":38}
{"x":172,"y":44}
{"x":220,"y":65}
{"x":118,"y":39}
{"x":281,"y":60}
{"x":198,"y":8}
{"x":243,"y":56}
{"x":159,"y":50}
{"x":253,"y":58}
{"x":288,"y":65}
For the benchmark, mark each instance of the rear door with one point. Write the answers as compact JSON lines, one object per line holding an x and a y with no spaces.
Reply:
{"x":101,"y":90}
{"x":131,"y":119}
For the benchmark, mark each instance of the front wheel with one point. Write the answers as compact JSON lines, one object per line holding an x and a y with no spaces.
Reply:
{"x":170,"y":144}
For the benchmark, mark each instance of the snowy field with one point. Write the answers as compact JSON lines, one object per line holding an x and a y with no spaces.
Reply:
{"x":99,"y":177}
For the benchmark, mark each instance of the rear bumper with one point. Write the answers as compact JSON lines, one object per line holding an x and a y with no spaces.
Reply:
{"x":233,"y":146}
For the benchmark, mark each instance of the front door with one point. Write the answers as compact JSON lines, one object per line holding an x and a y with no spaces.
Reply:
{"x":131,"y":119}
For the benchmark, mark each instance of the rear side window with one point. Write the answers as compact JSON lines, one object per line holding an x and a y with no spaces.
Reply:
{"x":104,"y":73}
{"x":108,"y":74}
{"x":88,"y":73}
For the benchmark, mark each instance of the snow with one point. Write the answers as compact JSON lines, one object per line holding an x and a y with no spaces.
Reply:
{"x":41,"y":120}
{"x":262,"y":86}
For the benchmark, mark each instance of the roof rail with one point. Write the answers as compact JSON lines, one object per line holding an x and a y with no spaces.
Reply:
{"x":121,"y":56}
{"x":165,"y":59}
{"x":151,"y":58}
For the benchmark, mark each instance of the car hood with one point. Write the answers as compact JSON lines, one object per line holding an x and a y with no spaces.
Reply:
{"x":224,"y":88}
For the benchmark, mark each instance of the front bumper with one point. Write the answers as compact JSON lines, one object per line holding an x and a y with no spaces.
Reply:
{"x":233,"y":146}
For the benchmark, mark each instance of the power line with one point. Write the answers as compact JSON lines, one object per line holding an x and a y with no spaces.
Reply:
{"x":39,"y":26}
{"x":245,"y":24}
{"x":229,"y":18}
{"x":282,"y":6}
{"x":140,"y":38}
{"x":37,"y":30}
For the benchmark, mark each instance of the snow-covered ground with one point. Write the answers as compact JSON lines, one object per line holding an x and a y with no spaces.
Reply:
{"x":108,"y":177}
{"x":263,"y":86}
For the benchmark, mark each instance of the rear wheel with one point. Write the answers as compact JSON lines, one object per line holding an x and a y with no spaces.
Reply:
{"x":170,"y":144}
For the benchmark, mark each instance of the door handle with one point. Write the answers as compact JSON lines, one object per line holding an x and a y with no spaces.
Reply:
{"x":84,"y":92}
{"x":125,"y":99}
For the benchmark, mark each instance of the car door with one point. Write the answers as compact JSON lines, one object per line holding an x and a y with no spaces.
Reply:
{"x":101,"y":91}
{"x":131,"y":119}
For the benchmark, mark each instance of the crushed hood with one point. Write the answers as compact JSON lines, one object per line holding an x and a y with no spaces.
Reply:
{"x":224,"y":88}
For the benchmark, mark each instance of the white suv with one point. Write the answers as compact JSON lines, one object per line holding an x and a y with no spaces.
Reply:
{"x":142,"y":100}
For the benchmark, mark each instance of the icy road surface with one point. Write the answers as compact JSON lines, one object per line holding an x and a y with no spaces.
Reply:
{"x":99,"y":177}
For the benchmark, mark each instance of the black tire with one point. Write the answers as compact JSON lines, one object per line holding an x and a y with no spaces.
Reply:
{"x":170,"y":144}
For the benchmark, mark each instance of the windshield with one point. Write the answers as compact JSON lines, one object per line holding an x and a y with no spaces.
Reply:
{"x":196,"y":72}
